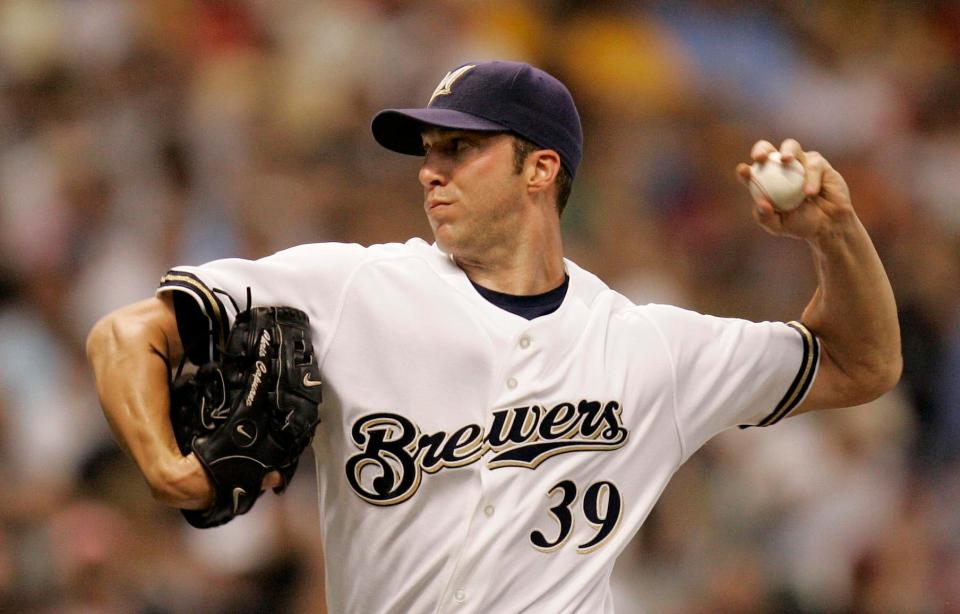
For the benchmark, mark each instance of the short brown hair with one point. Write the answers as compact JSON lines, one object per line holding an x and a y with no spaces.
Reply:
{"x":523,"y":148}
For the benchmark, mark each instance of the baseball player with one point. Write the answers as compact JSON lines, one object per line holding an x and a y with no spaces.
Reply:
{"x":497,"y":423}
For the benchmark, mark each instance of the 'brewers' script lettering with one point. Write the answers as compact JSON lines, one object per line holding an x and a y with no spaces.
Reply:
{"x":394,"y":455}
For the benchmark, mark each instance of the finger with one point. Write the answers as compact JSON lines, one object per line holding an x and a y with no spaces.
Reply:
{"x":743,"y":172}
{"x":790,"y":149}
{"x":767,"y":217}
{"x":761,"y":149}
{"x":272,"y":480}
{"x":813,"y":173}
{"x":765,"y":211}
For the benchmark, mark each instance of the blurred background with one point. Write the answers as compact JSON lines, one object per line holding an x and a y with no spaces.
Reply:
{"x":139,"y":135}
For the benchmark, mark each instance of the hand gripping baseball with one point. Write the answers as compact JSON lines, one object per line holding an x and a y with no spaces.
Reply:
{"x":252,"y":413}
{"x":827,"y":201}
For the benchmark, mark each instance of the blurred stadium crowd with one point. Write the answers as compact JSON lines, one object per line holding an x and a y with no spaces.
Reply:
{"x":138,"y":135}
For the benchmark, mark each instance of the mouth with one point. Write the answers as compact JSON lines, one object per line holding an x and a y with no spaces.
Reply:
{"x":433,"y":204}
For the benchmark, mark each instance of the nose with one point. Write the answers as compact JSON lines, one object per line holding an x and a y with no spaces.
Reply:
{"x":431,"y":171}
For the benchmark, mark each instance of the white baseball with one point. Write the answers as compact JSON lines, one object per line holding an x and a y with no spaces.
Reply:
{"x":779,"y":184}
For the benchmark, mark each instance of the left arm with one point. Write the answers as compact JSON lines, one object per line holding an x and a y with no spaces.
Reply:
{"x":852,"y":311}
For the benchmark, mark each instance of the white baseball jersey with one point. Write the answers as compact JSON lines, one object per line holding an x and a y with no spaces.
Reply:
{"x":470,"y":460}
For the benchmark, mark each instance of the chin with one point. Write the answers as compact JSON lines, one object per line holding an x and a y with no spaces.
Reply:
{"x":456,"y":241}
{"x":447,"y":248}
{"x":444,"y":241}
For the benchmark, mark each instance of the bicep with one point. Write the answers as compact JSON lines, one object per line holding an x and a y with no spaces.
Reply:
{"x":162,"y":315}
{"x":734,"y":372}
{"x":151,"y":321}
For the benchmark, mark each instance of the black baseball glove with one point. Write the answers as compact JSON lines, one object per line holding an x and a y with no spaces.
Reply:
{"x":252,"y":412}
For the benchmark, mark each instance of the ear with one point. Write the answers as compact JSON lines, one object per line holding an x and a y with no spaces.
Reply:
{"x":541,"y":169}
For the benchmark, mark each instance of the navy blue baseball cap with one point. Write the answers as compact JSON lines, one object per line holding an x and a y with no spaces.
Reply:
{"x":491,"y":96}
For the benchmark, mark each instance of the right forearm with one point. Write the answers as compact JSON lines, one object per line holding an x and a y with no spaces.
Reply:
{"x":129,"y":352}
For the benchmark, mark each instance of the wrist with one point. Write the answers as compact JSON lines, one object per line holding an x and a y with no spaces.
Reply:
{"x":840,"y":229}
{"x":181,"y":481}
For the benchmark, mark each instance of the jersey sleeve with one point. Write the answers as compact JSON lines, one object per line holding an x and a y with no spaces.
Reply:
{"x":730,"y":372}
{"x":207,"y":297}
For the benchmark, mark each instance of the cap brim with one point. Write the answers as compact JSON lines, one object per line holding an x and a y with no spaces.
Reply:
{"x":401,"y":129}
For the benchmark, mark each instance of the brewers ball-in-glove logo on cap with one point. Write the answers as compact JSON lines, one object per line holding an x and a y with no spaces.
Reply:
{"x":252,"y":412}
{"x":444,"y":88}
{"x":492,"y":97}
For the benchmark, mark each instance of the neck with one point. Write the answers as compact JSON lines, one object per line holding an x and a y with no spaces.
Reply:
{"x":532,"y":264}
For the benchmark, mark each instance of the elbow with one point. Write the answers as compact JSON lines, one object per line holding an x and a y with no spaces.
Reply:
{"x":879,"y":379}
{"x":887,"y":371}
{"x":893,"y":372}
{"x":848,"y":383}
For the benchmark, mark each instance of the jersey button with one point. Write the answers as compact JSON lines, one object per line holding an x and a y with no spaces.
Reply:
{"x":460,"y":595}
{"x":488,"y":511}
{"x":525,"y":341}
{"x":511,"y":383}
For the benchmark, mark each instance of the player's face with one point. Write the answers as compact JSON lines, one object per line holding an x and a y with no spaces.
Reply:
{"x":472,"y":194}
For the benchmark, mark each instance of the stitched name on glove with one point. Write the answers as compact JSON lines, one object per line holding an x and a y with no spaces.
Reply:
{"x":265,"y":339}
{"x":255,"y":384}
{"x":261,"y":368}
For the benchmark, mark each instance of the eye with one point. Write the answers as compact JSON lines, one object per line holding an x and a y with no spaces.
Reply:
{"x":450,"y":146}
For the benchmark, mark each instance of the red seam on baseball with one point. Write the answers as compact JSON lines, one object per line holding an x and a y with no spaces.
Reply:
{"x":754,"y":181}
{"x":790,"y":168}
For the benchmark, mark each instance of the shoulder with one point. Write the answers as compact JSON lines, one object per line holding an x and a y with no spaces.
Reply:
{"x":341,"y":259}
{"x":353,"y":251}
{"x":679,"y":325}
{"x":586,"y":288}
{"x":665,"y":326}
{"x":289,"y":275}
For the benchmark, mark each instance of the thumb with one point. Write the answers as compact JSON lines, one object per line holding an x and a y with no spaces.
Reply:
{"x":272,"y":480}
